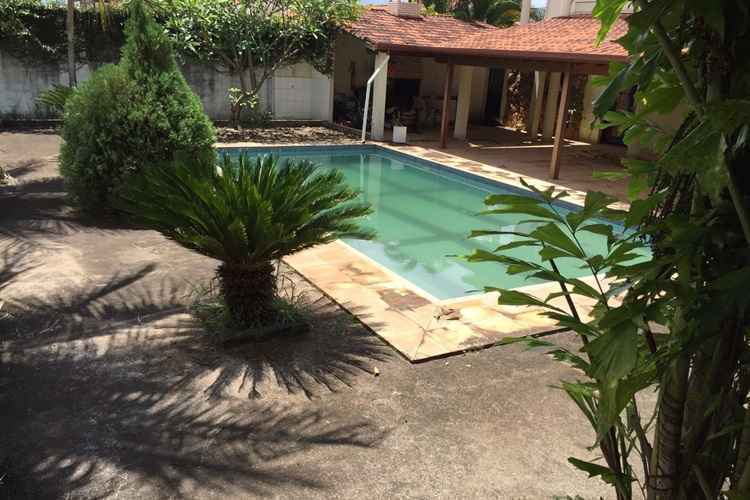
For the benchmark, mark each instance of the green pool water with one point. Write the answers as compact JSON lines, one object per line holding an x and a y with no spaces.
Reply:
{"x":422,"y":216}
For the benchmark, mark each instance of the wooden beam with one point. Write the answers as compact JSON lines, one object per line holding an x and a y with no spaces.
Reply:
{"x":554,"y":164}
{"x":446,"y":105}
{"x":526,"y":65}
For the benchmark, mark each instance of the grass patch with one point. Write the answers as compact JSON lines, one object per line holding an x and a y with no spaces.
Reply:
{"x":292,"y":305}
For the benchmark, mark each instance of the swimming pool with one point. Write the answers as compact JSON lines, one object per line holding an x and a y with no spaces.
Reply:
{"x":423,"y":213}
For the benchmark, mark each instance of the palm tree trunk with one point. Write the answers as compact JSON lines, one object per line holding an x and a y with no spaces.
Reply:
{"x":249,"y":293}
{"x":70,"y":32}
{"x":663,"y":480}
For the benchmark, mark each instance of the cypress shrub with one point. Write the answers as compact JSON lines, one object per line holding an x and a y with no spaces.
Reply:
{"x":130,"y":116}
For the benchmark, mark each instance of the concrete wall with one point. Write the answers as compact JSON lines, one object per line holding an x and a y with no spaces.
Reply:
{"x":297,"y":92}
{"x":300,"y":92}
{"x":350,"y":50}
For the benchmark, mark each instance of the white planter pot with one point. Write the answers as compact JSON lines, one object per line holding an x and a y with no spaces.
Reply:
{"x":399,"y":135}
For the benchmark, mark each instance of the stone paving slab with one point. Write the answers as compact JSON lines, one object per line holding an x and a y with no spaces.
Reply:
{"x":417,"y":326}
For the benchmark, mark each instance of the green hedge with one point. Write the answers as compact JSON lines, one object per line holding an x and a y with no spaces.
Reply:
{"x":130,"y":116}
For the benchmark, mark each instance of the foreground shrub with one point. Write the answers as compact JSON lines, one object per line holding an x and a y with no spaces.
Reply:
{"x":130,"y":116}
{"x":246,"y":214}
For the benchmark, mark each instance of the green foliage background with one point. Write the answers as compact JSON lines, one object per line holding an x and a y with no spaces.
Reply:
{"x":32,"y":31}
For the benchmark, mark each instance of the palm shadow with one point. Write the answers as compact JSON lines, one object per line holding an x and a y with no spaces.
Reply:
{"x":328,"y":358}
{"x":37,"y":208}
{"x":13,"y":261}
{"x":76,"y":422}
{"x":104,"y":382}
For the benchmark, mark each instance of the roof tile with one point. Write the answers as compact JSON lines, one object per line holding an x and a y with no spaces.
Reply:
{"x":558,"y":38}
{"x":381,"y":28}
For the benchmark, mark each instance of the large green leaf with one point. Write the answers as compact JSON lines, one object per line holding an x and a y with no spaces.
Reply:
{"x":551,"y":234}
{"x":595,"y":470}
{"x":607,"y":11}
{"x":516,"y":298}
{"x":614,"y":354}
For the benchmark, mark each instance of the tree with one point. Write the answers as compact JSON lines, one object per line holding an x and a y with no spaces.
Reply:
{"x":247,"y":214}
{"x":251,"y":39}
{"x":130,"y":116}
{"x":495,"y":12}
{"x":70,"y":26}
{"x":695,"y":220}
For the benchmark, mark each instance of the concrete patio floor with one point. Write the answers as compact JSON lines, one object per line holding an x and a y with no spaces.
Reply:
{"x":109,"y":389}
{"x":512,"y":150}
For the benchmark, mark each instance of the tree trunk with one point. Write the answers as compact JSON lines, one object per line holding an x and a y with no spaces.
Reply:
{"x":70,"y":32}
{"x":249,"y":293}
{"x":664,"y":478}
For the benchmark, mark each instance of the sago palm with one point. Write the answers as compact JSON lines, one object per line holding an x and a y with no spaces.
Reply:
{"x":247,"y":214}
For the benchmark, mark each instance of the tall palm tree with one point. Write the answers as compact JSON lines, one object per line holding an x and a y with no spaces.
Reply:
{"x":70,"y":32}
{"x":247,"y":214}
{"x":70,"y":27}
{"x":495,"y":12}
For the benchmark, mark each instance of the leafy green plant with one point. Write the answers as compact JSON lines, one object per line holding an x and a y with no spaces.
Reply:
{"x":247,"y":214}
{"x":130,"y":116}
{"x":55,"y":97}
{"x":692,"y":205}
{"x":251,"y":39}
{"x":36,"y":32}
{"x":614,"y":360}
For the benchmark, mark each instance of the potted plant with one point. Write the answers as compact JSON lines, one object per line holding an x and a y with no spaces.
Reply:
{"x":399,"y":129}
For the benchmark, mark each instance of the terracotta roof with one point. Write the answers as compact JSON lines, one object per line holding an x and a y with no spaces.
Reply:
{"x":383,"y":30}
{"x":559,"y":39}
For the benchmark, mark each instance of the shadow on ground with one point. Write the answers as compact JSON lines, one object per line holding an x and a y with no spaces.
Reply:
{"x":113,"y":385}
{"x":121,"y":418}
{"x":37,"y":207}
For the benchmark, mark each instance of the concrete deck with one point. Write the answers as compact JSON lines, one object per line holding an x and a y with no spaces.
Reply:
{"x":512,"y":150}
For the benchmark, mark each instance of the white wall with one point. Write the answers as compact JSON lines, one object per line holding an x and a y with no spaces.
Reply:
{"x":349,"y":50}
{"x":298,"y":92}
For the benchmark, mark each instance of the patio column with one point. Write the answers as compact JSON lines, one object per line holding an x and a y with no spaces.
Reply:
{"x":446,"y":106}
{"x":554,"y":164}
{"x":535,"y":110}
{"x":587,"y":131}
{"x":463,"y":105}
{"x":378,"y":98}
{"x":504,"y":96}
{"x":550,"y":106}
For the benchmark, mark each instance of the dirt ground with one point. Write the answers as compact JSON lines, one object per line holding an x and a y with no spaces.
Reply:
{"x":284,"y":135}
{"x":108,"y":389}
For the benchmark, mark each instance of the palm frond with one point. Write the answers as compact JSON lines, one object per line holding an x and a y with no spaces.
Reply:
{"x":246,"y":212}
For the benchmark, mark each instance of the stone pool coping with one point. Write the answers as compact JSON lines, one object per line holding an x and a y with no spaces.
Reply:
{"x":416,"y":324}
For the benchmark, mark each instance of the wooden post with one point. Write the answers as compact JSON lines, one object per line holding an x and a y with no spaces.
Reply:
{"x":446,"y":105}
{"x":554,"y":164}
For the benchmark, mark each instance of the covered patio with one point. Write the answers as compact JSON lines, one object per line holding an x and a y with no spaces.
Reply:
{"x":509,"y":149}
{"x":555,"y":50}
